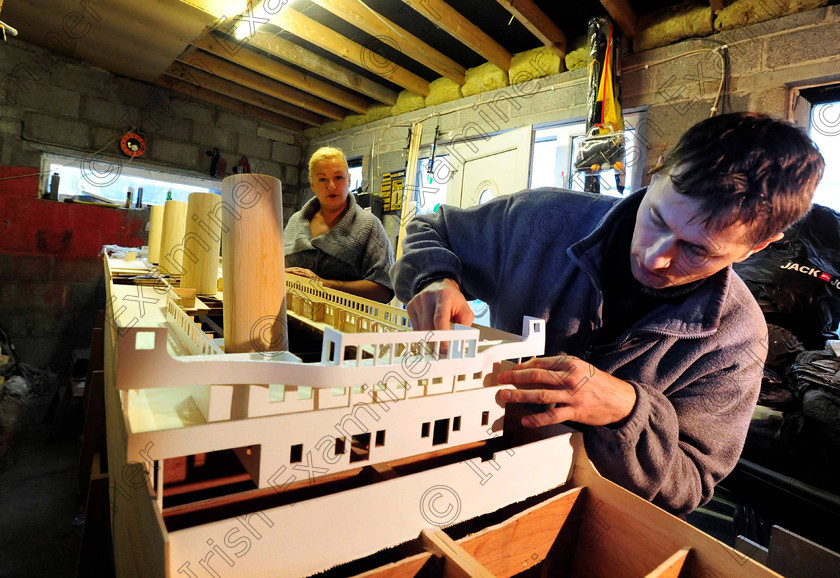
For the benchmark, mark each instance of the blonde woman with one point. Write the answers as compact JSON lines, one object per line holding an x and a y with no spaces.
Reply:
{"x":334,"y":241}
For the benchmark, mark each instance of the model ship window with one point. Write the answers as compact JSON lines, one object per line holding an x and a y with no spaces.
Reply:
{"x":144,"y":340}
{"x":332,"y":351}
{"x":424,"y":430}
{"x":423,"y":382}
{"x":456,"y":423}
{"x":360,"y":447}
{"x":296,"y":455}
{"x":441,"y":435}
{"x":339,"y":446}
{"x":485,"y":417}
{"x":436,"y":380}
{"x":380,"y":438}
{"x":477,"y":375}
{"x":462,"y":377}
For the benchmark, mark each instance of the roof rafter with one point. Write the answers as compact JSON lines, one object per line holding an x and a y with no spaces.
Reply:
{"x":445,"y":17}
{"x":312,"y":31}
{"x":360,"y":15}
{"x":191,"y":92}
{"x":247,"y":95}
{"x":282,"y":73}
{"x":535,"y":20}
{"x":250,"y":79}
{"x":623,"y":15}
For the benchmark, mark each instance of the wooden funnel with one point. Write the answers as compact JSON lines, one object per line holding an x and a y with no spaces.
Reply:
{"x":253,"y":266}
{"x":172,"y":239}
{"x":155,"y":232}
{"x":202,"y":240}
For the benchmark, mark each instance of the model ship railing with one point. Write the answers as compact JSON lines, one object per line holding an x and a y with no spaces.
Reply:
{"x":189,"y":334}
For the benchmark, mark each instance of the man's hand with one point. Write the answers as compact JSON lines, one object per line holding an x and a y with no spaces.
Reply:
{"x":437,"y":305}
{"x":581,"y":392}
{"x":300,"y":271}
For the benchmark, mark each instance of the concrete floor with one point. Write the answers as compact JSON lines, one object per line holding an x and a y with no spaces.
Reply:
{"x":38,"y":485}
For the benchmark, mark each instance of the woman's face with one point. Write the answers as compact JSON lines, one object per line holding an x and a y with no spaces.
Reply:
{"x":330,"y":182}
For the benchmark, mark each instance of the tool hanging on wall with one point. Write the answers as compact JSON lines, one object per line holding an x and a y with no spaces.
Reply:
{"x":132,"y":144}
{"x":218,"y":164}
{"x":602,"y":148}
{"x":430,"y":167}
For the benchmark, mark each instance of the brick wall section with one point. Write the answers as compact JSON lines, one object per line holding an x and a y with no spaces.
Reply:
{"x":676,"y":84}
{"x":52,"y":273}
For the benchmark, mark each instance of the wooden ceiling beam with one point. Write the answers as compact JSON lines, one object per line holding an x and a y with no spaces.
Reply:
{"x":623,"y":14}
{"x":360,"y":15}
{"x":538,"y":23}
{"x":717,"y":4}
{"x":250,"y":79}
{"x":308,"y":29}
{"x":445,"y":17}
{"x":282,"y":73}
{"x":239,"y":92}
{"x":191,"y":92}
{"x":300,"y":56}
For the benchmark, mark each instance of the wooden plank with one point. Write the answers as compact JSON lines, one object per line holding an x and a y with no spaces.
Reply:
{"x":360,"y":15}
{"x":671,"y":567}
{"x":250,"y":79}
{"x":271,"y":68}
{"x":95,"y":549}
{"x":500,"y":548}
{"x":408,"y":185}
{"x":93,"y":438}
{"x":752,"y":549}
{"x":447,"y":18}
{"x":246,"y":95}
{"x":792,"y":555}
{"x":190,"y":91}
{"x":623,"y":15}
{"x":619,"y":521}
{"x":319,"y":35}
{"x":538,"y":23}
{"x":717,"y":4}
{"x":291,"y":52}
{"x":458,"y":563}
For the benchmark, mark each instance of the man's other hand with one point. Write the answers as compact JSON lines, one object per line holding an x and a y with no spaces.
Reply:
{"x":300,"y":271}
{"x":437,"y":305}
{"x":573,"y":390}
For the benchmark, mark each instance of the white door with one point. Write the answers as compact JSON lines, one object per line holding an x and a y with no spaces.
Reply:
{"x":488,"y":168}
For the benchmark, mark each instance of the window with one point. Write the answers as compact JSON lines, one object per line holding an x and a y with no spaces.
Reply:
{"x":380,"y":438}
{"x":296,"y":455}
{"x":110,"y":180}
{"x":485,"y":417}
{"x":825,"y":131}
{"x":339,"y":446}
{"x":356,"y":177}
{"x":441,"y":435}
{"x":424,"y":430}
{"x":456,"y":423}
{"x":554,"y":151}
{"x":360,"y":447}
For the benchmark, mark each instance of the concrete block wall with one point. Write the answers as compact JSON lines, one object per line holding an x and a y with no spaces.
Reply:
{"x":53,"y":279}
{"x":51,"y":103}
{"x":676,"y":85}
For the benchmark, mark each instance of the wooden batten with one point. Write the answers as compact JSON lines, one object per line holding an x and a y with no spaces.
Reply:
{"x":253,"y":264}
{"x":189,"y":91}
{"x":239,"y":92}
{"x":155,"y":232}
{"x":623,"y":15}
{"x":271,"y":68}
{"x":312,"y":31}
{"x":444,"y":16}
{"x":249,"y":79}
{"x":202,"y":241}
{"x":538,"y":23}
{"x":291,"y":52}
{"x":172,"y":237}
{"x":360,"y":15}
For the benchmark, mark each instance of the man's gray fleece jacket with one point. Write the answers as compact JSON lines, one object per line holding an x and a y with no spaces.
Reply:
{"x":696,"y":363}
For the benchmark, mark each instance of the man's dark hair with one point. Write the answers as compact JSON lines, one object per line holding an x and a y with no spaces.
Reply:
{"x":747,"y":168}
